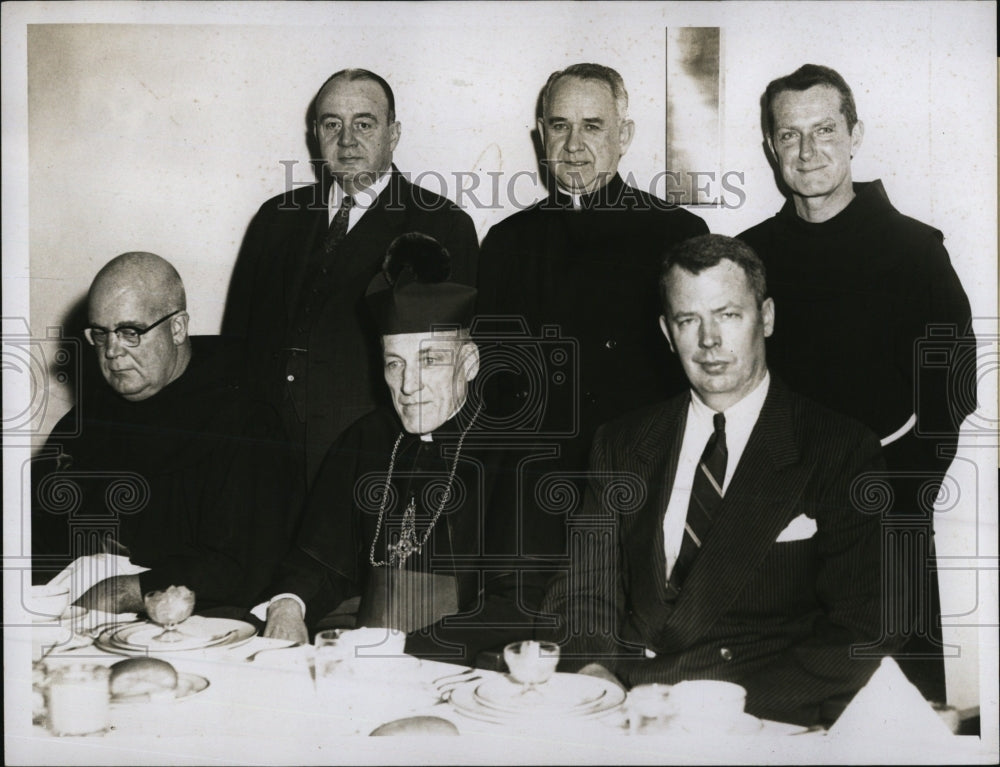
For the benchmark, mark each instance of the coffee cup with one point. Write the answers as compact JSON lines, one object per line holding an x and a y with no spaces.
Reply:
{"x":708,"y":699}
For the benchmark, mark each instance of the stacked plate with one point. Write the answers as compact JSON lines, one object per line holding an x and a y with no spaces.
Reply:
{"x":196,"y":633}
{"x":564,"y":696}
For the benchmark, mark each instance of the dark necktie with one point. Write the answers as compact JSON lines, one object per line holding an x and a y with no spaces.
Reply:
{"x":338,"y":227}
{"x":706,"y":495}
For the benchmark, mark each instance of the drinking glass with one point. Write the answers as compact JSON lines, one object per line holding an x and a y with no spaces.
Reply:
{"x":332,"y":658}
{"x":649,"y":709}
{"x":77,"y":698}
{"x":531,"y":663}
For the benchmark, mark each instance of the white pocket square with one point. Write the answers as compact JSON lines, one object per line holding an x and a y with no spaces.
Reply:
{"x":799,"y":529}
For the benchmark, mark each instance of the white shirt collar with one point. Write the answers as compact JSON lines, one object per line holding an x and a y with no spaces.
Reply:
{"x":363,"y":198}
{"x":743,"y":415}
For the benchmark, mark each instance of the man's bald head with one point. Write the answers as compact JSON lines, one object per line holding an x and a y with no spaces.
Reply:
{"x":139,"y":296}
{"x":147,"y":274}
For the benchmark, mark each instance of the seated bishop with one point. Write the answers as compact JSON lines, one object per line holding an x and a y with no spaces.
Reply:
{"x":410,"y":522}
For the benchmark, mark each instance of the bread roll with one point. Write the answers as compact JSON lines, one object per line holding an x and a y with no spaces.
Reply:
{"x":142,"y":676}
{"x":417,"y":725}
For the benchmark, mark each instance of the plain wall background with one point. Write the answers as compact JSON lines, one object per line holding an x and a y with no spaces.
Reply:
{"x":166,"y":130}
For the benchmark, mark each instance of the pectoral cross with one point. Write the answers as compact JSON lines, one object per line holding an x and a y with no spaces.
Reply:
{"x":407,"y":544}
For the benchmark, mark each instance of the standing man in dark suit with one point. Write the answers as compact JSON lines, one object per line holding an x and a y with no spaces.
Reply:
{"x":875,"y":324}
{"x":298,"y":285}
{"x":738,"y":554}
{"x":577,"y":271}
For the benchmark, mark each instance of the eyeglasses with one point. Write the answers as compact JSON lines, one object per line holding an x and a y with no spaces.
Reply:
{"x":128,"y":335}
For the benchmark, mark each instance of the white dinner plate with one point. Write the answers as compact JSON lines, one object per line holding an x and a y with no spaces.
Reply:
{"x":187,"y":685}
{"x":562,"y":692}
{"x":603,"y":697}
{"x":198,"y":633}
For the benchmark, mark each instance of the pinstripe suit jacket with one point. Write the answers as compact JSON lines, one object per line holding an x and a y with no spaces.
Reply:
{"x":778,"y":618}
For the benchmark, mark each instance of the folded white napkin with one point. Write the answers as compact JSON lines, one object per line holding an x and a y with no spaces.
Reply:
{"x":890,"y":708}
{"x":83,"y":572}
{"x":799,"y":529}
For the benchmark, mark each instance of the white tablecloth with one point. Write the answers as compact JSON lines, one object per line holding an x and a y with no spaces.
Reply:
{"x":270,"y":712}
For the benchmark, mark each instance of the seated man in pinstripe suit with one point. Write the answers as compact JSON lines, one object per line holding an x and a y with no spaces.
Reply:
{"x":739,"y":555}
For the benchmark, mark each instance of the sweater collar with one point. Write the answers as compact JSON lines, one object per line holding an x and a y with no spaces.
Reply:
{"x":870,"y":199}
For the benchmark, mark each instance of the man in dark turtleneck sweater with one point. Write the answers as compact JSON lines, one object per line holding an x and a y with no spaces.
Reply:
{"x":174,"y":466}
{"x":875,"y":324}
{"x":578,"y":271}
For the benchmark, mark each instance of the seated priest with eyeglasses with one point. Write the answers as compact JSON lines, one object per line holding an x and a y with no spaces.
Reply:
{"x":410,"y":521}
{"x":165,"y":472}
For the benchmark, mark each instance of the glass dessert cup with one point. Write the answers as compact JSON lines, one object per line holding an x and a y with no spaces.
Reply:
{"x":169,"y":609}
{"x":531,"y":663}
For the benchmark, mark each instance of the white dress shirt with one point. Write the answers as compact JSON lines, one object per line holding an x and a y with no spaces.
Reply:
{"x":363,"y":199}
{"x":740,"y":420}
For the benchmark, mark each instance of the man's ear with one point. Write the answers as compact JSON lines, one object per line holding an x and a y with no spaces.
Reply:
{"x":395,"y":130}
{"x":179,"y":328}
{"x":767,"y":315}
{"x":469,"y":360}
{"x":770,"y":148}
{"x":665,"y":329}
{"x":857,"y":134}
{"x":540,"y":124}
{"x":626,"y":131}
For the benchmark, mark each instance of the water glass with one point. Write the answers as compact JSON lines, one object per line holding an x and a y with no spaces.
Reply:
{"x":649,"y":709}
{"x":78,"y":697}
{"x":332,"y":658}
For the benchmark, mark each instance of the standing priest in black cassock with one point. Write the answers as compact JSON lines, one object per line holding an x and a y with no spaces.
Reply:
{"x":406,"y":525}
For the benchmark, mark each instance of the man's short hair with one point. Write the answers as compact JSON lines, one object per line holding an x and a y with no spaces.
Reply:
{"x":598,"y":72}
{"x":696,"y":254}
{"x":351,"y":75}
{"x":804,"y":78}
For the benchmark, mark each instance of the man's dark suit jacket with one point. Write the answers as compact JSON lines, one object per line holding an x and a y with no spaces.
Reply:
{"x":344,"y":379}
{"x":778,"y":618}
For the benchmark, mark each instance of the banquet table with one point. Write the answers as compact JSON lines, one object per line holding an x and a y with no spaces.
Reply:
{"x":270,"y":711}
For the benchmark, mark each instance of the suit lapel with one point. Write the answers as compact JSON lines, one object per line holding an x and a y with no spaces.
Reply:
{"x":381,"y":223}
{"x":656,"y":453}
{"x":761,"y":499}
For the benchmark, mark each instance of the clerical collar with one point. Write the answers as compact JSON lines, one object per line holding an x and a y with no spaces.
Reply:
{"x":363,"y":198}
{"x":447,"y":426}
{"x":575,"y":199}
{"x":605,"y":194}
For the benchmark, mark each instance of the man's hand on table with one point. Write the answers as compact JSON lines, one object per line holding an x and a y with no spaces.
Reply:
{"x":120,"y":594}
{"x":596,"y":669}
{"x":285,"y":621}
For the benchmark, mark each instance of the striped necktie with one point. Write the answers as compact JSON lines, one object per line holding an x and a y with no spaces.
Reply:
{"x":338,"y":227}
{"x":706,"y":496}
